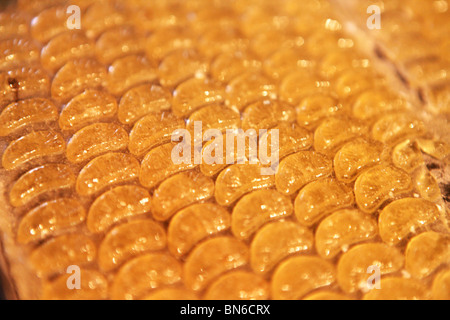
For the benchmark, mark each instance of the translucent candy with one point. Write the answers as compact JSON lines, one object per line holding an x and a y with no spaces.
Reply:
{"x":193,"y":224}
{"x":55,"y":255}
{"x":26,"y":113}
{"x":342,"y":229}
{"x":353,"y":82}
{"x":94,"y":140}
{"x":297,"y":85}
{"x":179,"y":191}
{"x":286,"y":60}
{"x":333,"y":133}
{"x":300,"y":168}
{"x":338,"y":61}
{"x":229,"y":65}
{"x":142,"y":100}
{"x":297,"y":276}
{"x":248,"y":88}
{"x":275,"y":241}
{"x":441,"y":285}
{"x":352,"y":269}
{"x":49,"y":23}
{"x":407,"y":156}
{"x":153,"y":130}
{"x":326,"y":295}
{"x":166,"y":40}
{"x":102,"y":15}
{"x":394,"y":288}
{"x":194,"y":94}
{"x":319,"y":198}
{"x":376,"y":185}
{"x":18,"y":51}
{"x":239,"y":179}
{"x":87,"y":107}
{"x":14,"y":23}
{"x":356,"y":156}
{"x":266,"y":114}
{"x":106,"y":170}
{"x":128,"y":72}
{"x":40,"y":180}
{"x":315,"y":108}
{"x":93,"y":286}
{"x":49,"y":219}
{"x":231,"y":40}
{"x":76,"y":76}
{"x":145,"y":273}
{"x":405,"y":216}
{"x":377,"y":101}
{"x":214,"y":116}
{"x":116,"y":205}
{"x":257,"y":208}
{"x":427,"y":252}
{"x":436,"y":149}
{"x":426,"y":184}
{"x":238,"y":285}
{"x":393,"y":128}
{"x":212,"y":258}
{"x":118,"y":42}
{"x":171,"y":294}
{"x":128,"y":240}
{"x":67,"y":46}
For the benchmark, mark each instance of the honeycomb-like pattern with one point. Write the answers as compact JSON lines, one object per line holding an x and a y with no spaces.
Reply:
{"x":87,"y":177}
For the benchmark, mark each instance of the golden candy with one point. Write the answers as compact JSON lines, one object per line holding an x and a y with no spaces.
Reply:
{"x":18,"y":51}
{"x":427,"y":252}
{"x":297,"y":276}
{"x":300,"y":168}
{"x":407,"y":156}
{"x":426,"y":184}
{"x":25,"y":113}
{"x":342,"y":229}
{"x":266,"y":114}
{"x":128,"y":240}
{"x":94,"y":140}
{"x":14,"y":23}
{"x":87,"y":107}
{"x":117,"y":204}
{"x":354,"y":157}
{"x":55,"y":255}
{"x":212,"y":258}
{"x":193,"y":224}
{"x":441,"y":285}
{"x":395,"y":127}
{"x":315,"y":108}
{"x":142,"y":100}
{"x":319,"y":198}
{"x":49,"y":219}
{"x":375,"y":102}
{"x":238,"y":285}
{"x":143,"y":274}
{"x":405,"y":216}
{"x":49,"y":23}
{"x":178,"y":192}
{"x":398,"y":289}
{"x":376,"y":185}
{"x":105,"y":170}
{"x":229,"y":65}
{"x":103,"y":15}
{"x":275,"y":241}
{"x":352,"y":270}
{"x":214,"y":116}
{"x":40,"y":180}
{"x":297,"y":85}
{"x":436,"y":149}
{"x":166,"y":40}
{"x":287,"y":60}
{"x":257,"y":208}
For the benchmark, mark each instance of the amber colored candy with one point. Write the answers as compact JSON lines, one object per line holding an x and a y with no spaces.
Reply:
{"x":342,"y":229}
{"x":40,"y":180}
{"x":393,"y":128}
{"x":212,"y":258}
{"x":313,"y":109}
{"x":87,"y":107}
{"x":172,"y":294}
{"x":24,"y":113}
{"x":297,"y":86}
{"x":105,"y":170}
{"x":257,"y":208}
{"x":407,"y":156}
{"x":275,"y":241}
{"x":377,"y":101}
{"x":49,"y":219}
{"x":300,"y":168}
{"x":215,"y":116}
{"x":18,"y":51}
{"x":426,"y":184}
{"x":140,"y":275}
{"x":14,"y":23}
{"x":93,"y":286}
{"x":128,"y":240}
{"x":142,"y":100}
{"x":356,"y":156}
{"x":194,"y":94}
{"x":319,"y":198}
{"x":166,"y":40}
{"x":286,"y":60}
{"x":239,"y":179}
{"x":49,"y":23}
{"x":103,"y":15}
{"x":266,"y":114}
{"x":405,"y":216}
{"x":377,"y":184}
{"x":238,"y":285}
{"x":193,"y":224}
{"x":55,"y":255}
{"x":441,"y":285}
{"x":394,"y":288}
{"x":116,"y":205}
{"x":297,"y":276}
{"x":248,"y":88}
{"x":179,"y":191}
{"x":76,"y":76}
{"x":153,"y":130}
{"x":352,"y":269}
{"x":229,"y":65}
{"x":326,"y":295}
{"x":67,"y":46}
{"x":353,"y":82}
{"x":436,"y":149}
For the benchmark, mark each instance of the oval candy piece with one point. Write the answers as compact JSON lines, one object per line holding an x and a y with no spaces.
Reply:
{"x":313,"y":109}
{"x":394,"y":288}
{"x":441,"y":284}
{"x":407,"y":156}
{"x":18,"y":51}
{"x":393,"y":128}
{"x":266,"y":114}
